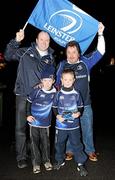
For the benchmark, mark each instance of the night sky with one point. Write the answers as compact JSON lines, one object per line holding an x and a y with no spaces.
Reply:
{"x":16,"y":12}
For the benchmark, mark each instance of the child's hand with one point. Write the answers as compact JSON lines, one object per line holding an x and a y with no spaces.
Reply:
{"x":30,"y":118}
{"x":60,"y":118}
{"x":76,"y":114}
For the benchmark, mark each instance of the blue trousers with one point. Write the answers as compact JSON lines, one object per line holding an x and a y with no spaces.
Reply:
{"x":75,"y":140}
{"x":86,"y":121}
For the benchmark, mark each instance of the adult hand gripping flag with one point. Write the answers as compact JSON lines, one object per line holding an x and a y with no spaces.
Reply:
{"x":64,"y":22}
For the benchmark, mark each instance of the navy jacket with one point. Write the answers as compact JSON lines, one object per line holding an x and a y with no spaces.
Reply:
{"x":30,"y":65}
{"x":82,"y":71}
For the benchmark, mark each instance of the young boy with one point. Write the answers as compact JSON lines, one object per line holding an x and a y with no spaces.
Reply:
{"x":39,"y":104}
{"x":68,"y":107}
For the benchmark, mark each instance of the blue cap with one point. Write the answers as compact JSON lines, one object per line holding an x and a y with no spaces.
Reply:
{"x":48,"y":72}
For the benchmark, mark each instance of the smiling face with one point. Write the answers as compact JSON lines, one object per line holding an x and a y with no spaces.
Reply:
{"x":47,"y":83}
{"x":43,"y":41}
{"x":67,"y":79}
{"x":72,"y":54}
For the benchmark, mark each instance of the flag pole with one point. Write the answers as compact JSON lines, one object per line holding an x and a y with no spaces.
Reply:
{"x":25,"y":25}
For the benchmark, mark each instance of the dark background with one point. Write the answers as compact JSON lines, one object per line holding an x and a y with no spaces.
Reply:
{"x":13,"y":16}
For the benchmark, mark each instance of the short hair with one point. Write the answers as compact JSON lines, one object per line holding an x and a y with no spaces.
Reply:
{"x":70,"y":71}
{"x":72,"y":44}
{"x":45,"y":32}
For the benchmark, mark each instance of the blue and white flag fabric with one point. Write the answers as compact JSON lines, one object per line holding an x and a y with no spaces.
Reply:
{"x":64,"y":22}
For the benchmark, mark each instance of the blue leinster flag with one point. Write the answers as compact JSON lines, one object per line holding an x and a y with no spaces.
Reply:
{"x":64,"y":22}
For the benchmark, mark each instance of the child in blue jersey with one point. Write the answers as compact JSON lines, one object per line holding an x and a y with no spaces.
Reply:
{"x":39,"y":114}
{"x":68,"y":107}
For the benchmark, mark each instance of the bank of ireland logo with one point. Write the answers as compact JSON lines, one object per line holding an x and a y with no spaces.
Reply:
{"x":66,"y":20}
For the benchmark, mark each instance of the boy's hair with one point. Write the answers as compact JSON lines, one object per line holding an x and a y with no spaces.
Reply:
{"x":70,"y":71}
{"x":72,"y":44}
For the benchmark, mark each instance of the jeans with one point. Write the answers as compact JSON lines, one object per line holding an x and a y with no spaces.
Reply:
{"x":74,"y":137}
{"x":86,"y":121}
{"x":20,"y":128}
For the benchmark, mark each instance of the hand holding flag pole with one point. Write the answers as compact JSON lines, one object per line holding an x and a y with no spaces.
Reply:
{"x":20,"y":34}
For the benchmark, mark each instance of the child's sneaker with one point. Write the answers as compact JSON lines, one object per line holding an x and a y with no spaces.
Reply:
{"x":58,"y":165}
{"x":82,"y":170}
{"x":22,"y":164}
{"x":36,"y":169}
{"x":48,"y":166}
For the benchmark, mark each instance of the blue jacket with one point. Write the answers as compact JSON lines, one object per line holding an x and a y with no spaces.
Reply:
{"x":82,"y":71}
{"x":30,"y":65}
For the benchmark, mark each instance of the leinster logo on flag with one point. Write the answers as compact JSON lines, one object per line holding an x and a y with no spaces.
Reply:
{"x":64,"y":22}
{"x":70,"y":22}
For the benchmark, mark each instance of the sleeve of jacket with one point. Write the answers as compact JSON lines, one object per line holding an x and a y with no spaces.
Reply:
{"x":28,"y":108}
{"x":81,"y":109}
{"x":101,"y":44}
{"x":12,"y":51}
{"x":94,"y":57}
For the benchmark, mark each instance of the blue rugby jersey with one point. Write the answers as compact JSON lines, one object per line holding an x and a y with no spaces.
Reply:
{"x":41,"y":107}
{"x":82,"y":71}
{"x":67,"y":102}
